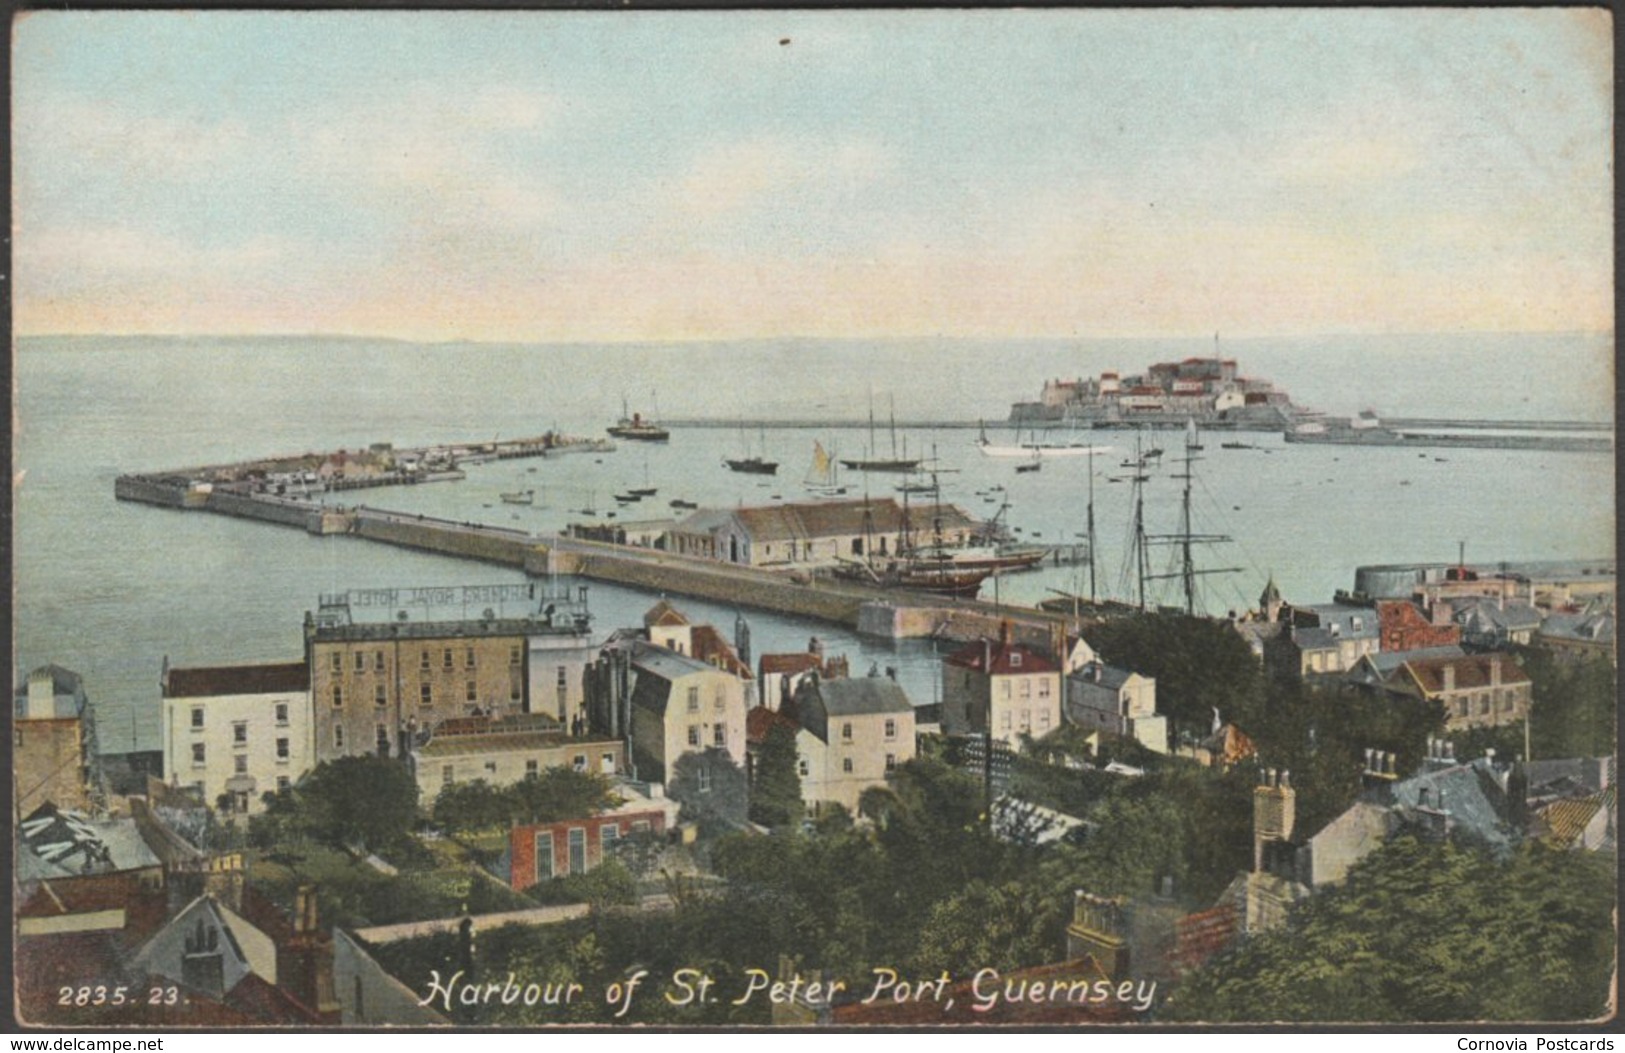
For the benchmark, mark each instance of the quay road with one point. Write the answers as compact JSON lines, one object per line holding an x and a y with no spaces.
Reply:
{"x":876,"y":611}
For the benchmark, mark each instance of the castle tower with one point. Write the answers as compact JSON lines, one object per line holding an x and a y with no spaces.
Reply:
{"x":1269,"y":601}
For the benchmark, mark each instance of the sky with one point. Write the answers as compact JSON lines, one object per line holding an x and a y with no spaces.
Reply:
{"x":662,"y":176}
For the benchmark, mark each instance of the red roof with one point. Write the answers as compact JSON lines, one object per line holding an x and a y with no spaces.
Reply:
{"x":789,"y":663}
{"x":1006,"y":659}
{"x":238,"y":680}
{"x":761,"y":720}
{"x":1471,"y":671}
{"x":709,"y":646}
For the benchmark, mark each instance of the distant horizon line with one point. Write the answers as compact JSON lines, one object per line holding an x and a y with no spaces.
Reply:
{"x":630,"y":341}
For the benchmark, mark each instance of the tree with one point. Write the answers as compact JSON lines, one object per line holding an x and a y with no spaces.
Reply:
{"x":775,"y":797}
{"x":468,"y":807}
{"x":561,"y":793}
{"x":1414,"y":932}
{"x":368,"y":800}
{"x":1199,"y":665}
{"x":712,"y":790}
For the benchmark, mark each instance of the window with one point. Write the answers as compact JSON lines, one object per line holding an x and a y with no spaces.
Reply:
{"x":425,"y":694}
{"x":705,"y":780}
{"x":564,"y":683}
{"x":801,"y":767}
{"x":281,"y":714}
{"x":693,"y":734}
{"x":544,"y":856}
{"x":199,"y":758}
{"x":490,"y":767}
{"x":381,"y":740}
{"x":719,"y":735}
{"x":1026,"y":689}
{"x":338,"y":736}
{"x":1015,"y":660}
{"x":1484,"y":705}
{"x":891,"y":729}
{"x":1026,"y":719}
{"x":445,"y":659}
{"x":533,"y":767}
{"x":1461,"y":707}
{"x":1043,"y":719}
{"x":846,"y":765}
{"x":472,"y":692}
{"x":515,"y":655}
{"x":423,"y":661}
{"x":283,"y":783}
{"x":578,"y":851}
{"x":579,"y":762}
{"x":239,"y":764}
{"x":282,"y":751}
{"x":1043,"y":688}
{"x":693,"y":700}
{"x":721,"y":698}
{"x":891,"y":762}
{"x":606,"y":763}
{"x":239,"y":733}
{"x":448,"y":774}
{"x":338,"y":697}
{"x":846,"y":732}
{"x":640,"y":826}
{"x":1004,"y":720}
{"x":1006,"y":686}
{"x":607,"y":836}
{"x":468,"y":658}
{"x":379,"y":695}
{"x":378,"y":661}
{"x":336,"y":662}
{"x":197,"y":718}
{"x":361,"y":661}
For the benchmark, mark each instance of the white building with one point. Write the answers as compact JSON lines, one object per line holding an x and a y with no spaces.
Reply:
{"x":854,"y":732}
{"x":237,"y":732}
{"x":1100,"y":697}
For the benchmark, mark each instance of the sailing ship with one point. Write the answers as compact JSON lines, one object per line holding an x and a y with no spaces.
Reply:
{"x":871,"y":463}
{"x":753,"y":465}
{"x":638,"y":427}
{"x":823,"y":477}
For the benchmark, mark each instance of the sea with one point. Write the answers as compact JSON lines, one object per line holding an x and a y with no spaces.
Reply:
{"x":112,"y":590}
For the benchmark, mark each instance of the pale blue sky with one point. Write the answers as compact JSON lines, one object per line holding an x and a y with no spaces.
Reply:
{"x":656,"y":175}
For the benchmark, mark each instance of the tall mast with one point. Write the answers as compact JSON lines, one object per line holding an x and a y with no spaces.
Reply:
{"x":892,"y":402}
{"x":1091,"y":538}
{"x":1142,"y":569}
{"x":1186,"y":537}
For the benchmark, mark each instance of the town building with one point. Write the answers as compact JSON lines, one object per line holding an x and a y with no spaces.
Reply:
{"x":1578,"y":636}
{"x":817,"y":533}
{"x":856,"y":730}
{"x":387,"y":665}
{"x":505,"y":750}
{"x":1488,"y":624}
{"x":1325,"y":639}
{"x":779,"y":675}
{"x":1102,"y":697}
{"x":539,"y":852}
{"x":235,"y":733}
{"x":1404,"y":625}
{"x":1373,"y":671}
{"x":54,"y":749}
{"x":1005,"y":689}
{"x":1481,"y":690}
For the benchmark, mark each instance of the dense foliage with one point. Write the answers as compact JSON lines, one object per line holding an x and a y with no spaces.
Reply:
{"x":1200,"y":665}
{"x":547,"y":797}
{"x":775,"y":796}
{"x":712,"y":789}
{"x":1428,"y":932}
{"x":365,"y":801}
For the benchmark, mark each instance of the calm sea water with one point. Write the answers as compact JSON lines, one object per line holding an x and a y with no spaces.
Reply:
{"x":109,"y":589}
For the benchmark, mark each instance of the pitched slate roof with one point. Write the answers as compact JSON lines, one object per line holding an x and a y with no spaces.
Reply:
{"x":1373,"y":669}
{"x":1111,"y":678}
{"x":856,"y":696}
{"x":663,"y":613}
{"x":1594,"y":627}
{"x":1486,"y":614}
{"x":1468,"y":792}
{"x":710,"y":647}
{"x":208,"y":682}
{"x":881,"y":515}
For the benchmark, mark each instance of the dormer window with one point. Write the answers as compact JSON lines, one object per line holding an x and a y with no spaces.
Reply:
{"x":1015,"y":661}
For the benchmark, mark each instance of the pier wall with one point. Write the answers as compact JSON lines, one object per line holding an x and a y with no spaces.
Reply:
{"x":148,"y":491}
{"x":445,"y":538}
{"x":719,"y":584}
{"x":244,"y":507}
{"x":898,"y":622}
